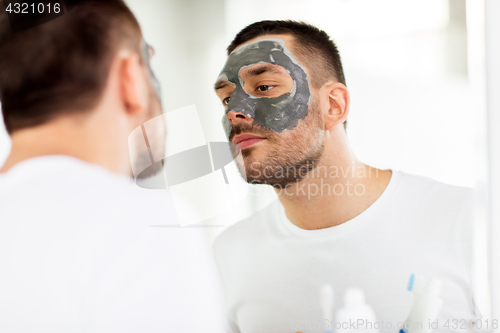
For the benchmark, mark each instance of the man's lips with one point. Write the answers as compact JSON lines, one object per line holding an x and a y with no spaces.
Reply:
{"x":246,"y":140}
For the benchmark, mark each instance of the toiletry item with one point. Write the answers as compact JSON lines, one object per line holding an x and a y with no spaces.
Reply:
{"x":327,"y":301}
{"x":425,"y":307}
{"x":356,"y":315}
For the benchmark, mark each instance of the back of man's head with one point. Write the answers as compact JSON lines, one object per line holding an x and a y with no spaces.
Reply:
{"x":62,"y":66}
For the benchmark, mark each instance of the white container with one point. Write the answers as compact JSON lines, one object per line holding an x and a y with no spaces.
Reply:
{"x":425,"y":307}
{"x":327,"y":303}
{"x":356,"y":316}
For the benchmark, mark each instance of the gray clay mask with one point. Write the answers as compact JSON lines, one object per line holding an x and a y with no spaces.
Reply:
{"x":154,"y":80}
{"x":276,"y":113}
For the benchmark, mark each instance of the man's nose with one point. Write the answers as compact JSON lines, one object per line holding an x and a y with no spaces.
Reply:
{"x":238,"y":117}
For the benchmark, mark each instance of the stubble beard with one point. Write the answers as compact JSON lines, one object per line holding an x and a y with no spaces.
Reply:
{"x":289,"y":157}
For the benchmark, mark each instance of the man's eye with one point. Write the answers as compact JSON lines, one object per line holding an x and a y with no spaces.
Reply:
{"x":264,"y":88}
{"x":226,"y":100}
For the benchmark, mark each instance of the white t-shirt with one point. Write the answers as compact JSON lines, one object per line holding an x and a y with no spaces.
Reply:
{"x":272,"y":270}
{"x":86,"y":250}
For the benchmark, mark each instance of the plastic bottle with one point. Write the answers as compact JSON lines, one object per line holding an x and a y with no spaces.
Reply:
{"x":356,"y":315}
{"x":327,"y":302}
{"x":425,"y":307}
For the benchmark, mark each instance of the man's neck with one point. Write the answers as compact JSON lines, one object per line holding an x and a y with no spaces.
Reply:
{"x":79,"y":138}
{"x":338,"y":189}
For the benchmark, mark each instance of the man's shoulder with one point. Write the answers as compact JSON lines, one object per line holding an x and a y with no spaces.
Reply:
{"x":59,"y":171}
{"x":434,"y":204}
{"x":427,"y":188}
{"x":63,"y":187}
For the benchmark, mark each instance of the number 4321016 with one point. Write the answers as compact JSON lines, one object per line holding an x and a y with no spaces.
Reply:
{"x":40,"y":8}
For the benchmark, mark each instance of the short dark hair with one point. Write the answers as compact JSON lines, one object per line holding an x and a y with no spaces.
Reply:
{"x":312,"y":46}
{"x":62,"y":66}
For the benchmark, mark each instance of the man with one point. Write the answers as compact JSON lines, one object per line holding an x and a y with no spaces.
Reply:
{"x":338,"y":220}
{"x":82,"y":248}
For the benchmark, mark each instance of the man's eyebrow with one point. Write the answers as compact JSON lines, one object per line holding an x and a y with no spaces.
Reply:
{"x":221,"y":84}
{"x":259,"y":69}
{"x":253,"y":71}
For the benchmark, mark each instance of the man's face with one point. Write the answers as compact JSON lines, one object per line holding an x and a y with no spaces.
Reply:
{"x":271,"y":113}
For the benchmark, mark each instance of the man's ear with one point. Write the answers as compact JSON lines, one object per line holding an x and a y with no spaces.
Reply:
{"x":338,"y":104}
{"x":132,"y":83}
